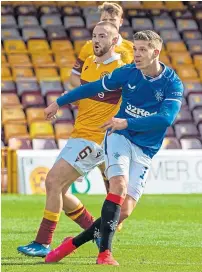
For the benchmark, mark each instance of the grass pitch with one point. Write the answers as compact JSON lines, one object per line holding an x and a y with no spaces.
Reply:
{"x":164,"y":234}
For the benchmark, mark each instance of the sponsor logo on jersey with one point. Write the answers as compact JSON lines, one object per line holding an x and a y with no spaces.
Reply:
{"x":131,"y":87}
{"x":137,"y":112}
{"x":105,"y":73}
{"x":101,"y":95}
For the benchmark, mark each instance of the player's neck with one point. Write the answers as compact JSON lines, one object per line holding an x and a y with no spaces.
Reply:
{"x":154,"y":70}
{"x":105,"y":57}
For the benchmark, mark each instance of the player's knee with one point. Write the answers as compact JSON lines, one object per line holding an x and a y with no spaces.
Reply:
{"x":51,"y":183}
{"x":118,"y":186}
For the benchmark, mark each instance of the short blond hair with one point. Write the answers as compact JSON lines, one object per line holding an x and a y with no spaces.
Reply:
{"x":155,"y":41}
{"x":113,"y":9}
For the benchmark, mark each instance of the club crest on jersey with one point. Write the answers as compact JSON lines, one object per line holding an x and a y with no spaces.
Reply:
{"x":104,"y":74}
{"x":158,"y":95}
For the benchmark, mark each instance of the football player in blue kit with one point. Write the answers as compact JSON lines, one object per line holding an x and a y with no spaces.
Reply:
{"x":151,"y":99}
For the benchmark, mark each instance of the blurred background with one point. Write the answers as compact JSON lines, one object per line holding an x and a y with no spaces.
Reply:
{"x":40,"y":43}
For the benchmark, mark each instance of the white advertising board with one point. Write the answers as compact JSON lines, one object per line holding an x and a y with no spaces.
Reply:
{"x":172,"y":172}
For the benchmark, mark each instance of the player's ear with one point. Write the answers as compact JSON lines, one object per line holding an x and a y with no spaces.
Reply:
{"x":121,"y":22}
{"x":156,"y":53}
{"x":115,"y":40}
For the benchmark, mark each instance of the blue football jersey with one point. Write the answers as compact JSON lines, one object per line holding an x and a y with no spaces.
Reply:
{"x":142,"y":97}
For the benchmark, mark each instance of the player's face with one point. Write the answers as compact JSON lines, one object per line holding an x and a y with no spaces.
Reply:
{"x":116,"y":20}
{"x":144,"y":55}
{"x":102,"y":40}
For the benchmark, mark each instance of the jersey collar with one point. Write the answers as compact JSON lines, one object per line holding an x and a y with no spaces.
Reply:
{"x":120,"y":40}
{"x":152,"y":79}
{"x":114,"y":57}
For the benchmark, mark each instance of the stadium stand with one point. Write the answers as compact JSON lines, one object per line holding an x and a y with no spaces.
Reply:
{"x":40,"y":43}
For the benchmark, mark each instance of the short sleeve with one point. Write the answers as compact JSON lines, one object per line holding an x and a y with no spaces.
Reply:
{"x":175,"y":90}
{"x":116,"y":79}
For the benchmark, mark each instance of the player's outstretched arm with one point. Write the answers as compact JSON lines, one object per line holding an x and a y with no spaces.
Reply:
{"x":162,"y":120}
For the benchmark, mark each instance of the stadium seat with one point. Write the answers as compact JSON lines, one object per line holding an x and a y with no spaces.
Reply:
{"x":183,"y":116}
{"x":174,"y":5}
{"x":50,"y":20}
{"x":47,"y":74}
{"x":32,"y":100}
{"x":10,"y":34}
{"x":43,"y":60}
{"x":73,"y":21}
{"x":198,"y":61}
{"x":14,"y":47}
{"x":7,"y":86}
{"x":184,"y":104}
{"x":170,"y":132}
{"x":163,"y":24}
{"x":127,"y":33}
{"x":51,"y":86}
{"x":91,"y":21}
{"x":19,"y":143}
{"x":197,"y":114}
{"x":33,"y":33}
{"x":23,"y":74}
{"x":6,"y":73}
{"x":51,"y":97}
{"x":153,"y":5}
{"x":27,"y":87}
{"x":7,"y":10}
{"x":141,"y":24}
{"x":62,"y":46}
{"x":63,"y":60}
{"x":63,"y":131}
{"x":181,"y":14}
{"x":54,"y":33}
{"x":48,"y":10}
{"x":192,"y":87}
{"x":13,"y":115}
{"x":79,"y":34}
{"x":38,"y":46}
{"x":15,"y":130}
{"x":34,"y":114}
{"x":41,"y":130}
{"x":200,"y":129}
{"x":26,"y":9}
{"x":170,"y":35}
{"x":27,"y":21}
{"x":176,"y":46}
{"x":78,"y":45}
{"x":191,"y":35}
{"x":195,"y":46}
{"x":170,"y":143}
{"x":195,"y":101}
{"x":184,"y":130}
{"x":187,"y":74}
{"x":19,"y":60}
{"x":191,"y":143}
{"x":165,"y":59}
{"x":180,"y":59}
{"x":73,"y":11}
{"x":65,"y":73}
{"x":131,"y":4}
{"x":10,"y":100}
{"x":8,"y":21}
{"x":183,"y":24}
{"x":39,"y":144}
{"x":64,"y":114}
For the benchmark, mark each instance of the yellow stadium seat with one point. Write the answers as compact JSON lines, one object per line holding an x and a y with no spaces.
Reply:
{"x":63,"y":131}
{"x":65,"y":73}
{"x":174,"y":5}
{"x":200,"y":74}
{"x":51,"y":97}
{"x":42,"y":60}
{"x":42,"y":129}
{"x":38,"y":46}
{"x":15,"y":130}
{"x":176,"y":47}
{"x":187,"y":73}
{"x":35,"y":114}
{"x":165,"y":59}
{"x":78,"y":45}
{"x":19,"y":60}
{"x":65,"y":61}
{"x":62,"y":46}
{"x":10,"y":100}
{"x":4,"y":62}
{"x":198,"y":61}
{"x":5,"y":73}
{"x":153,"y":5}
{"x":180,"y":59}
{"x":23,"y":73}
{"x":13,"y":115}
{"x":49,"y":74}
{"x":15,"y":47}
{"x":44,"y":3}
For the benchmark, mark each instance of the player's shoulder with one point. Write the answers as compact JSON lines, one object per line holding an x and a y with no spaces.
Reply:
{"x":172,"y":78}
{"x":127,"y":43}
{"x":126,"y":70}
{"x":90,"y":58}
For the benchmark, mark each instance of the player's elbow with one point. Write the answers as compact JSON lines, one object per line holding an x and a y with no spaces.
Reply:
{"x":167,"y":121}
{"x":74,"y":80}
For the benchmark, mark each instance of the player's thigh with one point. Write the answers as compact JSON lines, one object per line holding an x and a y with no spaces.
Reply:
{"x":82,"y":155}
{"x":117,"y":156}
{"x":137,"y":180}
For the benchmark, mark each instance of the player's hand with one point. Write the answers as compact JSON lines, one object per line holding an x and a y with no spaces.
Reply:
{"x":115,"y":124}
{"x":65,"y":92}
{"x":50,"y":111}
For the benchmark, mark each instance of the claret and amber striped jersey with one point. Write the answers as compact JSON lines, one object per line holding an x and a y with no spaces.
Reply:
{"x":94,"y":111}
{"x":123,"y":47}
